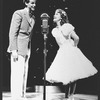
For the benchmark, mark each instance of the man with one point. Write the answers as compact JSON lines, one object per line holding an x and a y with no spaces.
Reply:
{"x":20,"y":34}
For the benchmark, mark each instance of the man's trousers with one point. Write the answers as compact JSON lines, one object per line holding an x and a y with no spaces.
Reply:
{"x":19,"y":73}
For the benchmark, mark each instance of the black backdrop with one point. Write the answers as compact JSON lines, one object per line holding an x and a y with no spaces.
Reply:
{"x":83,"y":14}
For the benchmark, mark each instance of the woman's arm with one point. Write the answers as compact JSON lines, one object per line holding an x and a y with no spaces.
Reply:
{"x":75,"y":37}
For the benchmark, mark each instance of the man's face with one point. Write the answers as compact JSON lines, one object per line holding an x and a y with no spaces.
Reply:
{"x":31,"y":4}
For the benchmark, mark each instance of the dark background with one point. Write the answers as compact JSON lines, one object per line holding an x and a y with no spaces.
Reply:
{"x":83,"y":15}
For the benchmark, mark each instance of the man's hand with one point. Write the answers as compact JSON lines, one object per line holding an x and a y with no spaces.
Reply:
{"x":15,"y":55}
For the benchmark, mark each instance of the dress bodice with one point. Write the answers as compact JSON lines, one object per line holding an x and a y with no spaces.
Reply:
{"x":62,"y":34}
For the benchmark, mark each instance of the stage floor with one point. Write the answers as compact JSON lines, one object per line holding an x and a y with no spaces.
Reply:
{"x":51,"y":96}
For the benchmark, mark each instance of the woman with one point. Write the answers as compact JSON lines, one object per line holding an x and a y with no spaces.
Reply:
{"x":69,"y":64}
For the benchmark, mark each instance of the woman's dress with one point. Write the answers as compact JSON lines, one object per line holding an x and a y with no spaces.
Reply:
{"x":70,"y":63}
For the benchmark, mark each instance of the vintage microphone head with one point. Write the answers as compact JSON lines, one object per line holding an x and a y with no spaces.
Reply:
{"x":45,"y":17}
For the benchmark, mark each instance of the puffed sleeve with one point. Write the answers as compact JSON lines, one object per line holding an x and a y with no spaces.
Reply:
{"x":54,"y":32}
{"x":67,"y":28}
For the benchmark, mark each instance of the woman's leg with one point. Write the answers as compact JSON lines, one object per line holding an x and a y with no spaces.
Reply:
{"x":67,"y":90}
{"x":70,"y":89}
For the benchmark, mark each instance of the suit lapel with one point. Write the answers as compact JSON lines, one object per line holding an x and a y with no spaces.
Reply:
{"x":32,"y":21}
{"x":28,"y":17}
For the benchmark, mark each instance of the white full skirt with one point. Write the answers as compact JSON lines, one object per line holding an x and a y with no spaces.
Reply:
{"x":69,"y":64}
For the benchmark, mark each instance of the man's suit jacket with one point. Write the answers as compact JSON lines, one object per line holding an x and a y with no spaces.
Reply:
{"x":20,"y":32}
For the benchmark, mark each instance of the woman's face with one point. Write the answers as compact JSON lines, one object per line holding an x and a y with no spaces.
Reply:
{"x":57,"y":17}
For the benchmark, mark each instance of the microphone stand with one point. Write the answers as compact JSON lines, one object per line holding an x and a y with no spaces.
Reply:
{"x":45,"y":30}
{"x":45,"y":55}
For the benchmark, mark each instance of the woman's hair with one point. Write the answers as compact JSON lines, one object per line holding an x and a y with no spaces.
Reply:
{"x":26,"y":1}
{"x":64,"y":16}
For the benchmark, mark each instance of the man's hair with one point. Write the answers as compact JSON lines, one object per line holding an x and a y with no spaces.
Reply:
{"x":26,"y":1}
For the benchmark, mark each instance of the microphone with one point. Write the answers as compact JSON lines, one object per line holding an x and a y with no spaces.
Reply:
{"x":45,"y":27}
